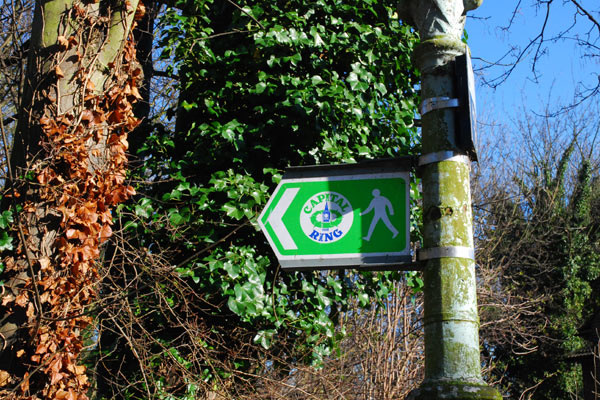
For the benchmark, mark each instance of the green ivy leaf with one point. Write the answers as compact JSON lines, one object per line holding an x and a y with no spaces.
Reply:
{"x":6,"y":218}
{"x":5,"y":241}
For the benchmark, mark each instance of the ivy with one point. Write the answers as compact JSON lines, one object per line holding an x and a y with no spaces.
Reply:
{"x":262,"y":87}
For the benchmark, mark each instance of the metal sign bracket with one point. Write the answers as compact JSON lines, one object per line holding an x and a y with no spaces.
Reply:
{"x":440,"y":156}
{"x":436,"y":103}
{"x":446,"y":252}
{"x":443,"y":156}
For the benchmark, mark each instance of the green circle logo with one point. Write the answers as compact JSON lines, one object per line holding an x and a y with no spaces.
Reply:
{"x":326,"y":217}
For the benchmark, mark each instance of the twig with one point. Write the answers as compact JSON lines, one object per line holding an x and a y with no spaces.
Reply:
{"x":207,"y":248}
{"x":587,"y":14}
{"x":245,"y":12}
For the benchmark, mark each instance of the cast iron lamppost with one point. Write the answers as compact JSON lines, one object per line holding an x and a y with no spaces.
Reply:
{"x":452,"y":356}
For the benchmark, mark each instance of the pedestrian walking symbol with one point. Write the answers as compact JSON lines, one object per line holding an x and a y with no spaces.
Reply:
{"x":380,"y":206}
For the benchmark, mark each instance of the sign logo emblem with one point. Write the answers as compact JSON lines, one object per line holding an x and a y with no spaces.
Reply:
{"x":326,"y":217}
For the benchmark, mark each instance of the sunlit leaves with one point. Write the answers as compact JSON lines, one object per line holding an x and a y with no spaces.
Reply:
{"x":267,"y":86}
{"x":144,"y":208}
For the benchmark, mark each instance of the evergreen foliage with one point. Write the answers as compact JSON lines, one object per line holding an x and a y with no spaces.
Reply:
{"x":261,"y":86}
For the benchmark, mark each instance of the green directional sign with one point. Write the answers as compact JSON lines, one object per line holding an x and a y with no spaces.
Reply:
{"x":334,"y":216}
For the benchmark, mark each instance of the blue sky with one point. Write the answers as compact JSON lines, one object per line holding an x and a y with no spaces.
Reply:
{"x":561,"y":67}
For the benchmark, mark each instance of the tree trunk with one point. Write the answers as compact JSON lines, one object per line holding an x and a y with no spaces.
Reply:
{"x":67,"y":172}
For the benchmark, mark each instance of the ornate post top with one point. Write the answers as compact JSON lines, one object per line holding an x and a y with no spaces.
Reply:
{"x":436,"y":18}
{"x":440,"y":24}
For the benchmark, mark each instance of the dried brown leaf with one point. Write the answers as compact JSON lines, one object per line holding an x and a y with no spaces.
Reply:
{"x":55,"y":377}
{"x":6,"y":299}
{"x":87,"y":116}
{"x":22,"y":299}
{"x":30,"y":311}
{"x":135,"y":92}
{"x":44,"y":262}
{"x":140,"y":11}
{"x":59,"y":72}
{"x":5,"y":378}
{"x":63,"y":42}
{"x":25,"y":384}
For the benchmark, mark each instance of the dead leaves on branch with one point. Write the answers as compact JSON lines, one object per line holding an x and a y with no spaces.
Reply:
{"x":81,"y":177}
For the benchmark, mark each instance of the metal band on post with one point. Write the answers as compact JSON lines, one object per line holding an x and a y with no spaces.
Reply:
{"x":436,"y":103}
{"x":446,"y":252}
{"x":443,"y":156}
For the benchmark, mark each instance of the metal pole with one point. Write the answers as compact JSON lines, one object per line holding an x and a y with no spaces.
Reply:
{"x":451,"y":322}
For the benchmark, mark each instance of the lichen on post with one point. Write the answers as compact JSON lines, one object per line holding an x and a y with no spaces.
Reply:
{"x":452,"y":355}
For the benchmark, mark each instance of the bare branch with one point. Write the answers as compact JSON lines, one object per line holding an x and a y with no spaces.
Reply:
{"x":587,"y":14}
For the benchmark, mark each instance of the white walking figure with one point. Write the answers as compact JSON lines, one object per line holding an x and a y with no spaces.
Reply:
{"x":382,"y":206}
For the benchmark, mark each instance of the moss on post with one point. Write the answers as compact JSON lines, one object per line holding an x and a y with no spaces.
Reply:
{"x":455,"y":390}
{"x":452,"y":356}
